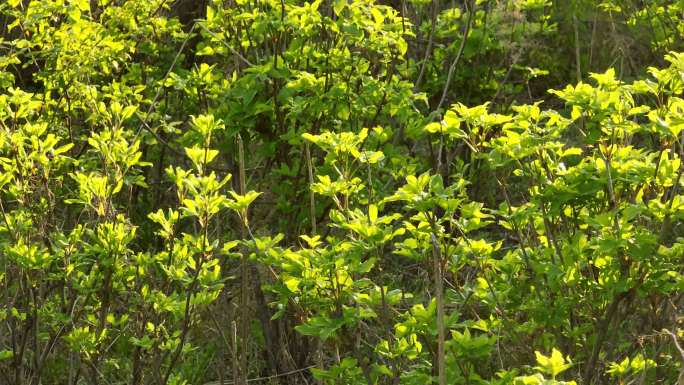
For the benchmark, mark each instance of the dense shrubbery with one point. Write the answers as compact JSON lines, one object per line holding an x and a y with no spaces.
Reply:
{"x":341,"y":192}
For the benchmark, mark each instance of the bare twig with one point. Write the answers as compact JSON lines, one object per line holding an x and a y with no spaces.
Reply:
{"x":675,"y":340}
{"x":578,"y":68}
{"x":452,"y":68}
{"x":236,"y":53}
{"x":428,"y":49}
{"x":244,"y":272}
{"x":153,"y":105}
{"x":312,"y":198}
{"x":439,"y":294}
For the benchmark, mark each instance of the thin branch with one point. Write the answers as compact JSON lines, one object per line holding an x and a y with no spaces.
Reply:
{"x":428,"y":49}
{"x":452,"y":68}
{"x":153,"y":105}
{"x":578,"y":60}
{"x":675,"y":340}
{"x":236,"y":53}
{"x":312,"y":198}
{"x":439,"y":294}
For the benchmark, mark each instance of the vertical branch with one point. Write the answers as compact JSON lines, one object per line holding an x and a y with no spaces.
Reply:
{"x":602,"y":329}
{"x":236,"y":370}
{"x":578,"y":58}
{"x":244,"y":273}
{"x":671,"y":194}
{"x":461,"y":48}
{"x":312,"y":215}
{"x":439,"y":288}
{"x":312,"y":198}
{"x":591,"y":42}
{"x":428,"y":49}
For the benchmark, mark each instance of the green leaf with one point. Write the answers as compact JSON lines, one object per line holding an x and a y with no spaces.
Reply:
{"x":200,"y":157}
{"x":554,"y":364}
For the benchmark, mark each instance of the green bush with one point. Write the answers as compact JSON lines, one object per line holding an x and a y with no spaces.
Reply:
{"x":341,"y":192}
